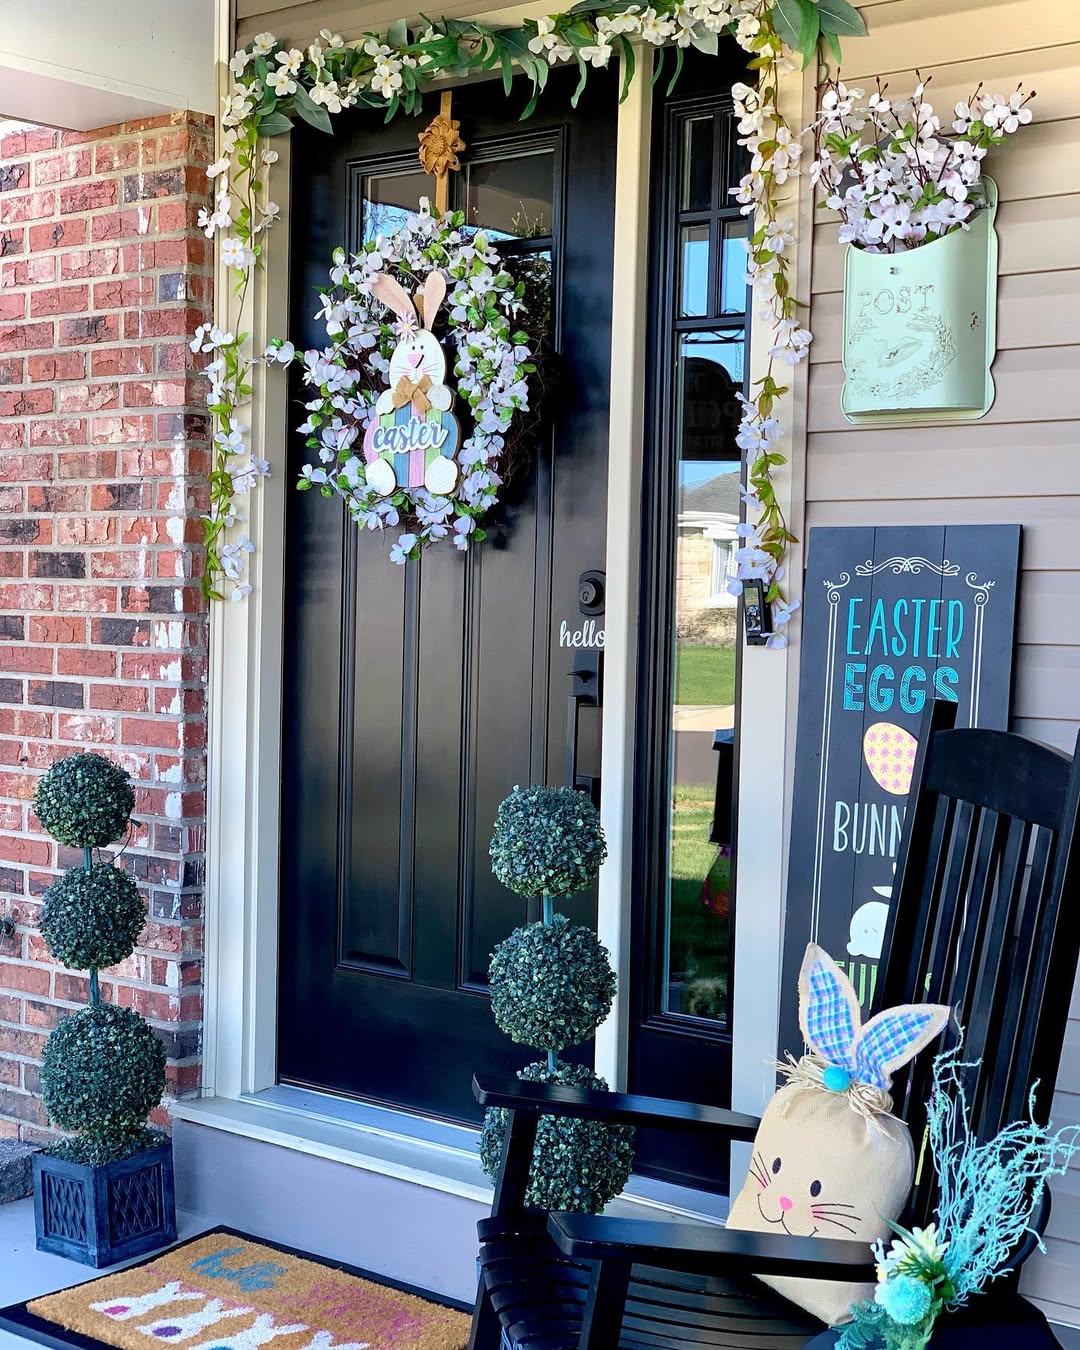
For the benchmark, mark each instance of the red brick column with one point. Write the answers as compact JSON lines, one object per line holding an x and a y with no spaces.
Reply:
{"x":103,"y":633}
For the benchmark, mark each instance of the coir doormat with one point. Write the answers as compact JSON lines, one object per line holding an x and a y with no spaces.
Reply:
{"x":226,"y":1291}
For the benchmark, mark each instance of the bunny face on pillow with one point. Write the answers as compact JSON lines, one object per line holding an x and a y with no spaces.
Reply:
{"x":829,"y":1159}
{"x":799,"y":1195}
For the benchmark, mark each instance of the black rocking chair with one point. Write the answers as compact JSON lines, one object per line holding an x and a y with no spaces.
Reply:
{"x":985,"y":918}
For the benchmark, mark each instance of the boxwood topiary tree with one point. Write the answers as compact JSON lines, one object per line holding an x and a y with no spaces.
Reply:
{"x":551,"y":986}
{"x":104,"y":1066}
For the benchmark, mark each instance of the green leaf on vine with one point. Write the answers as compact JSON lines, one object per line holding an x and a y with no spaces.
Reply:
{"x":839,"y":17}
{"x":274,"y":124}
{"x":313,"y":113}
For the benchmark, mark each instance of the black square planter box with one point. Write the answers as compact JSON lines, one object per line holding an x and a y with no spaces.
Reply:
{"x":101,"y":1215}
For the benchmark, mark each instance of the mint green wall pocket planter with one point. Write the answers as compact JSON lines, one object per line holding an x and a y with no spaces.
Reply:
{"x":920,"y":327}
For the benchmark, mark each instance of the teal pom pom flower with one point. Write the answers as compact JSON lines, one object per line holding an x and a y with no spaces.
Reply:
{"x":905,"y":1298}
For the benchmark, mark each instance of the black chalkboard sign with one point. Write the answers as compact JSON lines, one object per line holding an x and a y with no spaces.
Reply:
{"x":892,"y":616}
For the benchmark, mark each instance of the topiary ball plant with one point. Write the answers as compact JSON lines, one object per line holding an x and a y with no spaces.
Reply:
{"x":577,"y":1165}
{"x":104,"y":1066}
{"x":547,"y":841}
{"x":102,"y":1074}
{"x":551,"y":984}
{"x":85,"y":800}
{"x":92,"y":919}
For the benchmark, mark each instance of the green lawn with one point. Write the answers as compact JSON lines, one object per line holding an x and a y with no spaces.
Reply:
{"x":705,"y":675}
{"x":699,"y":937}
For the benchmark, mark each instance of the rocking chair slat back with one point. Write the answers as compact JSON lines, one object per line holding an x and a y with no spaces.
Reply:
{"x":986,"y":917}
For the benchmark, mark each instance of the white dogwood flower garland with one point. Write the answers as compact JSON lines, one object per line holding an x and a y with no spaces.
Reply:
{"x":492,"y":364}
{"x":273,"y":84}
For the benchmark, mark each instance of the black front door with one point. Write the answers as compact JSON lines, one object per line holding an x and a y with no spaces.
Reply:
{"x":418,"y":696}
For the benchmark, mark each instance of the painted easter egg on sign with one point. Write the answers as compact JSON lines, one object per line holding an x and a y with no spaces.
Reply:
{"x":889,"y":752}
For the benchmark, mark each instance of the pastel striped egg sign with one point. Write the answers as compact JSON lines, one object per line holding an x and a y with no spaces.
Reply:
{"x":889,"y":752}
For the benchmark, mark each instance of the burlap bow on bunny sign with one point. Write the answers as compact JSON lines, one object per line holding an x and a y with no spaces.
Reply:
{"x":830,"y":1160}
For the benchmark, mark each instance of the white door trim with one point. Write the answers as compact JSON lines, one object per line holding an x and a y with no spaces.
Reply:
{"x":770,"y":684}
{"x":245,"y":689}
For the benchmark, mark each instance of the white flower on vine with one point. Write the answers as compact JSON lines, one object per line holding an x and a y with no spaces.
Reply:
{"x":782,"y":612}
{"x":290,"y":60}
{"x":239,"y":62}
{"x":230,"y":442}
{"x":747,"y":29}
{"x":1013,"y":115}
{"x":387,"y":78}
{"x":328,"y":95}
{"x":208,"y":337}
{"x":232,"y":557}
{"x":235,"y":253}
{"x":628,"y":21}
{"x":281,"y":82}
{"x":599,"y":54}
{"x":219,"y":166}
{"x":269,"y":157}
{"x":331,"y":39}
{"x":399,"y":552}
{"x":236,"y":106}
{"x":264,"y":44}
{"x":281,"y":352}
{"x":840,"y":100}
{"x":656,"y":28}
{"x":779,"y":235}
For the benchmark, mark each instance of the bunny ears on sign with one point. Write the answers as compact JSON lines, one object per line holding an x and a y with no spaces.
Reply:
{"x":832,"y":1025}
{"x":395,"y":297}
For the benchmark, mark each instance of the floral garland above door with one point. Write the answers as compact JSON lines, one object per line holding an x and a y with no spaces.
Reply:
{"x":274,"y":84}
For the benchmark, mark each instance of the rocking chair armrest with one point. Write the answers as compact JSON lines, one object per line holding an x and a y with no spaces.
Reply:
{"x":708,"y":1249}
{"x":615,"y":1108}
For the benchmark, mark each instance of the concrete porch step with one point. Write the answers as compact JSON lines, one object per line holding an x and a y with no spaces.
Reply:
{"x":16,"y":1170}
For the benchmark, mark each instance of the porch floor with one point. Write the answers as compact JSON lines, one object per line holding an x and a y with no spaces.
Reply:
{"x":26,"y":1273}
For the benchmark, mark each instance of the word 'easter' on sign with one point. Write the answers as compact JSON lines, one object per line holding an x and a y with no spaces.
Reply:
{"x":411,"y":435}
{"x":921,"y":628}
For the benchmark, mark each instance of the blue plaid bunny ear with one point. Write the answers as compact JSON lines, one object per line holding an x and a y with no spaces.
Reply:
{"x":895,"y":1036}
{"x":828,"y":1009}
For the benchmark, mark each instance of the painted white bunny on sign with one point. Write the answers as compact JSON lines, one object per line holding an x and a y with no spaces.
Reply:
{"x":830,"y":1160}
{"x":413,"y":438}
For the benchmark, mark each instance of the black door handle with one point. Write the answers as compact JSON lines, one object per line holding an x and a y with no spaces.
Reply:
{"x":585,"y":695}
{"x":584,"y":705}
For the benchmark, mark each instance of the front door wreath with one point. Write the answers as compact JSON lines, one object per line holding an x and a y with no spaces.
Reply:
{"x":380,"y":418}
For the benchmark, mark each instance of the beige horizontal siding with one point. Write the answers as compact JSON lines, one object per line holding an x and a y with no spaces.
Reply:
{"x":300,"y":23}
{"x":1022,"y":461}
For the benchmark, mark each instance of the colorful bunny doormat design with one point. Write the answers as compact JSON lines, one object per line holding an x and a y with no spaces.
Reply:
{"x":830,"y":1159}
{"x":226,"y":1292}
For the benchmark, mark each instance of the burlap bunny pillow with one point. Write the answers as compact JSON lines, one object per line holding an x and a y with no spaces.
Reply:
{"x":830,"y":1160}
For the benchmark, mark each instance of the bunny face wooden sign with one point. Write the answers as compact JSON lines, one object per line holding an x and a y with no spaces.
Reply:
{"x":830,"y":1160}
{"x":413,"y":438}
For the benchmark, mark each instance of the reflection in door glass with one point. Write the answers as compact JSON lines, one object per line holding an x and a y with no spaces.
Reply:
{"x":703,"y":704}
{"x":708,"y":347}
{"x":694,"y":283}
{"x":512,"y":197}
{"x":389,"y":198}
